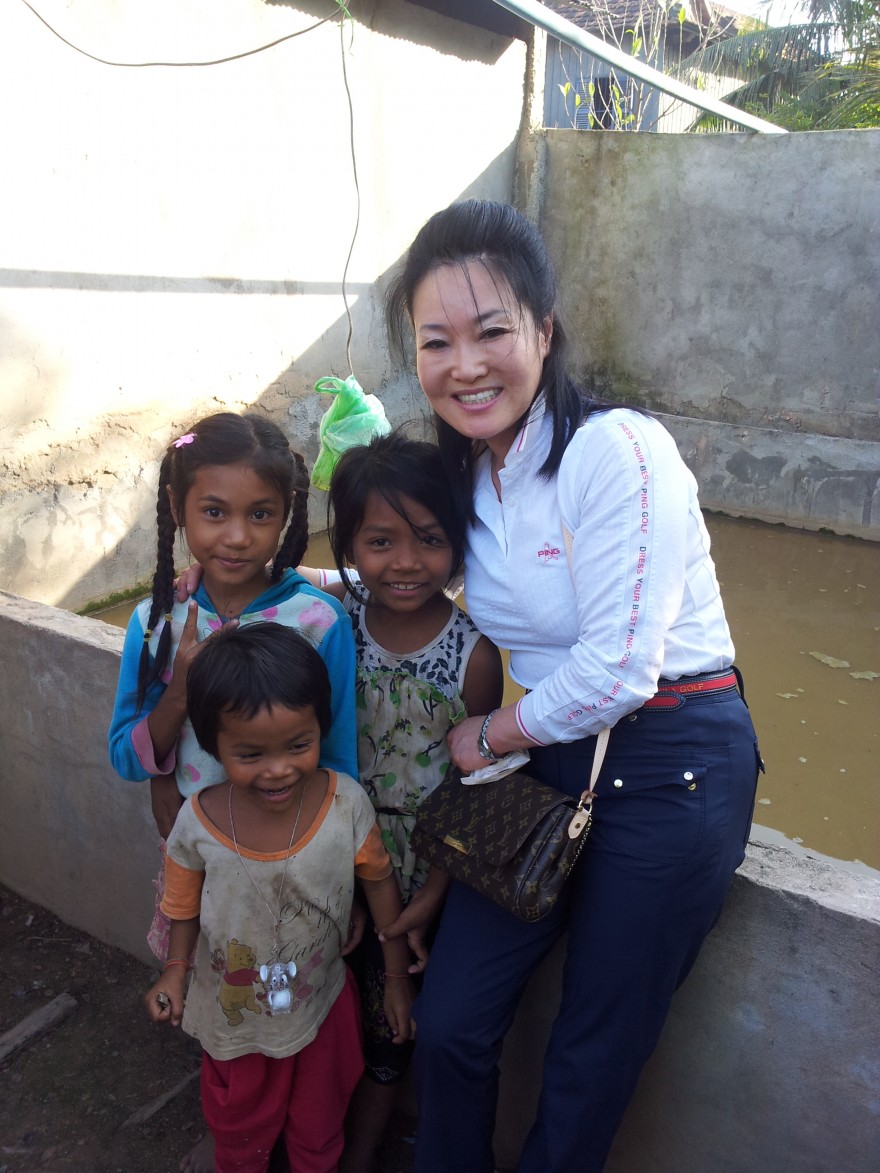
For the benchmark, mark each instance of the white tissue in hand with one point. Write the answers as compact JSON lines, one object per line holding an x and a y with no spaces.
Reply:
{"x":505,"y":765}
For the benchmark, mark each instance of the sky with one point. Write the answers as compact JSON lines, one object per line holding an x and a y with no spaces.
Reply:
{"x":775,"y":12}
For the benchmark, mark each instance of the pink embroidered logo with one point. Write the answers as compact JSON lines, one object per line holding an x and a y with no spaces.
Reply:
{"x":548,"y":554}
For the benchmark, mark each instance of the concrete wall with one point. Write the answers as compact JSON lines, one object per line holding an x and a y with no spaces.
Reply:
{"x":769,"y":1059}
{"x":734,"y":281}
{"x":173,"y":240}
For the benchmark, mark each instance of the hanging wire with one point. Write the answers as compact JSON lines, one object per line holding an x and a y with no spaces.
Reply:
{"x":341,"y":11}
{"x":357,"y":190}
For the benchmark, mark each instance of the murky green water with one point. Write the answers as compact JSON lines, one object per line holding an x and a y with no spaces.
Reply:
{"x":805,"y":613}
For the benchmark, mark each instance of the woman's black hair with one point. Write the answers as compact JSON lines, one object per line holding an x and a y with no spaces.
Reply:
{"x":395,"y":467}
{"x":242,"y":670}
{"x":224,"y":438}
{"x":512,"y":250}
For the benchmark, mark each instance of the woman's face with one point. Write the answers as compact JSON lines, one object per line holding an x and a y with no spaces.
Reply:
{"x":479,"y":353}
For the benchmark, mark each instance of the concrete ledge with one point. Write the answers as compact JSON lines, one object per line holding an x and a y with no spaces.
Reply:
{"x":799,"y":478}
{"x":74,"y":837}
{"x":769,"y":1060}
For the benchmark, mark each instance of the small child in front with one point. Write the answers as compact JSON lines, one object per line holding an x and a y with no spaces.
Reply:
{"x":260,"y":872}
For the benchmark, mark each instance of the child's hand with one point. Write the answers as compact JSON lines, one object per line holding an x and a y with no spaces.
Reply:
{"x":397,"y":1004}
{"x":357,"y":924}
{"x":187,"y":584}
{"x":164,"y":1002}
{"x":188,"y":647}
{"x":416,"y":919}
{"x":414,"y":927}
{"x":166,"y":801}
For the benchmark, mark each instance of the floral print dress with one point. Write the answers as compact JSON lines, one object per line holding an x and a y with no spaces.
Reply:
{"x":405,"y":706}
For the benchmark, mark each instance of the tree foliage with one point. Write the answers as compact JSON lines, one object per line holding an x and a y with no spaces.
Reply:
{"x":821,"y":74}
{"x":656,"y":32}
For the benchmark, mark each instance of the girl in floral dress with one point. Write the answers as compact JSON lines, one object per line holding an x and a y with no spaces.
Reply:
{"x":422,"y":666}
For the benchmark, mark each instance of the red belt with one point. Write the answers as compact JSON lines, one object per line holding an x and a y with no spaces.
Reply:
{"x":672,"y":694}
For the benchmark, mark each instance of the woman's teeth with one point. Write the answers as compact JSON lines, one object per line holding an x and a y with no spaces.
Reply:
{"x":478,"y":396}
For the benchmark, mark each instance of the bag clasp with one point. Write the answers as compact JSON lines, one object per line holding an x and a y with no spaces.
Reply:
{"x":583,"y":815}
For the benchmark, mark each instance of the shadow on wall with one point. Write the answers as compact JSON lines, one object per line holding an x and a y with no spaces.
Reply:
{"x":83,"y":524}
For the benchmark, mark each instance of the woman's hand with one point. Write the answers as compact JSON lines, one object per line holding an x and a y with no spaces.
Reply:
{"x":462,"y":740}
{"x":166,"y":801}
{"x":503,"y":735}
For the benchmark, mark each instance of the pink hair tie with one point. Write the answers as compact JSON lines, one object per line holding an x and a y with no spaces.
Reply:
{"x":187,"y":439}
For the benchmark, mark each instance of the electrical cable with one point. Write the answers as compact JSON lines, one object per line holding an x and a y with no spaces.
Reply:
{"x":357,"y":189}
{"x":184,"y":64}
{"x":341,"y":11}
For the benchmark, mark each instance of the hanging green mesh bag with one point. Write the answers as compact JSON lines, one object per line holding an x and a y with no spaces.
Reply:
{"x":353,"y":418}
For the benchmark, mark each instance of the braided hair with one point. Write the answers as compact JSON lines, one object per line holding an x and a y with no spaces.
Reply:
{"x":224,"y":438}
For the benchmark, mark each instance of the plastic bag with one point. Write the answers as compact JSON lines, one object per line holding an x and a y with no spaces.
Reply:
{"x":352,"y":418}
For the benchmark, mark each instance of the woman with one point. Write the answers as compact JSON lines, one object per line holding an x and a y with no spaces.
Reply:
{"x":624,"y":629}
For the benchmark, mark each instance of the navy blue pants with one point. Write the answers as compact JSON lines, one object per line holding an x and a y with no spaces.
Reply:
{"x":670,"y":823}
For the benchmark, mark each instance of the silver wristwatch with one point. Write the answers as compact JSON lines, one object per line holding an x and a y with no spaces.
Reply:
{"x":483,"y":745}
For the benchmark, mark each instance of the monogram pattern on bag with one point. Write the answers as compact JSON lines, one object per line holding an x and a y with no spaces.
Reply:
{"x":508,"y":839}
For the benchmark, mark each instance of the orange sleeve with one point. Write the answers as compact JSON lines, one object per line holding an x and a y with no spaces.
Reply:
{"x":372,"y":862}
{"x":182,"y":899}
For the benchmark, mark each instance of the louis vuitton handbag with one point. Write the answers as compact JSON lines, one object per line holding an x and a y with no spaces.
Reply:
{"x":513,"y":839}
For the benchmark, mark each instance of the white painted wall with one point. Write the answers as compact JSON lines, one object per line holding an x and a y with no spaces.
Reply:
{"x":173,"y":240}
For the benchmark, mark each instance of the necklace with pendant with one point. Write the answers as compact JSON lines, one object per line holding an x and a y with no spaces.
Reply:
{"x":276,"y":915}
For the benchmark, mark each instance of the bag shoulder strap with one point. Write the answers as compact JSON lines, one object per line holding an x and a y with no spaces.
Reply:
{"x":603,"y":734}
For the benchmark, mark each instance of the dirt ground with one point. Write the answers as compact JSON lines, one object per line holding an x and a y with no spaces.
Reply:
{"x":69,"y":1096}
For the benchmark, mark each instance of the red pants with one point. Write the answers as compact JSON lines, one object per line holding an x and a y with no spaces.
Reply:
{"x":248,"y":1102}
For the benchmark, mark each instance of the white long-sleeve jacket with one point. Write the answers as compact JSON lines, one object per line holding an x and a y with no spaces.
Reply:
{"x":638,"y":599}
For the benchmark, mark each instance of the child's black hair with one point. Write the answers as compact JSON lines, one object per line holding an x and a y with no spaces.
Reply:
{"x":242,"y":670}
{"x":395,"y":467}
{"x":225,"y":438}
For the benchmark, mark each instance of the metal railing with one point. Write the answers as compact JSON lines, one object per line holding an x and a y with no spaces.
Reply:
{"x":564,"y":30}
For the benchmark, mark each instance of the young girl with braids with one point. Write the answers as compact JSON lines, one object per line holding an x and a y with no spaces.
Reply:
{"x":230,"y":485}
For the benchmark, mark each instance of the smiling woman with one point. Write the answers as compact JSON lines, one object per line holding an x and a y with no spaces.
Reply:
{"x":479,"y":357}
{"x":627,"y":631}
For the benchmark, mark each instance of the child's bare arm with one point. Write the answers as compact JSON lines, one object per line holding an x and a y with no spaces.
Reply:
{"x":483,"y":685}
{"x":164,"y":1001}
{"x":165,"y":720}
{"x":383,"y":898}
{"x":166,"y":801}
{"x":316,"y":578}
